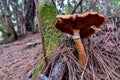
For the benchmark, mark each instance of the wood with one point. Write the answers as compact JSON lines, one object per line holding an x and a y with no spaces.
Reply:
{"x":57,"y":72}
{"x":55,"y":7}
{"x":77,"y":6}
{"x":30,"y":14}
{"x":41,"y":31}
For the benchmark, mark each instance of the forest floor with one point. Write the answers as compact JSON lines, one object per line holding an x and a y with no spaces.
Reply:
{"x":19,"y":59}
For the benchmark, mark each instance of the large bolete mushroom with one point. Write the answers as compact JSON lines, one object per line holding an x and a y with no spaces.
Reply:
{"x":79,"y":25}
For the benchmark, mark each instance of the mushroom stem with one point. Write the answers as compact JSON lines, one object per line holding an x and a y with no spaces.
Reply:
{"x":80,"y":48}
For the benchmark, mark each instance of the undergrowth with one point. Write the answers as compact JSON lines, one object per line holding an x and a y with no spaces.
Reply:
{"x":5,"y":35}
{"x":51,"y":34}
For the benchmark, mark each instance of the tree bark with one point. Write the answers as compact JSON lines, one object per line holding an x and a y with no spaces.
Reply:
{"x":29,"y":14}
{"x":1,"y":17}
{"x":57,"y":72}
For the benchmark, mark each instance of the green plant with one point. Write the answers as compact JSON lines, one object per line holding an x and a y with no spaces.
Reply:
{"x":48,"y":17}
{"x":48,"y":14}
{"x":39,"y":66}
{"x":5,"y":35}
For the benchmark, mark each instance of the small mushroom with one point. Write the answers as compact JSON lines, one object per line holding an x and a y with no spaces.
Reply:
{"x":79,"y":26}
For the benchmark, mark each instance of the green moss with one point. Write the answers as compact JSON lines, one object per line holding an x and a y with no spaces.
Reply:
{"x":48,"y":17}
{"x":51,"y":34}
{"x":36,"y":72}
{"x":48,"y":14}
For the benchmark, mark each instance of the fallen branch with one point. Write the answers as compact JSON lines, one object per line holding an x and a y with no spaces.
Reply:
{"x":57,"y":72}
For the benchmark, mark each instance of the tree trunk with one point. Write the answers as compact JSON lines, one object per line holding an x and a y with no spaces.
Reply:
{"x":18,"y":13}
{"x":1,"y":12}
{"x":29,"y":14}
{"x":9,"y":25}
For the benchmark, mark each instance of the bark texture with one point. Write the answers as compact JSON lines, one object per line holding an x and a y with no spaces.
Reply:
{"x":57,"y":72}
{"x":29,"y":14}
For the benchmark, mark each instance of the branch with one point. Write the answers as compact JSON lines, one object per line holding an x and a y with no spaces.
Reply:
{"x":57,"y":72}
{"x":41,"y":31}
{"x":76,"y":7}
{"x":55,"y":6}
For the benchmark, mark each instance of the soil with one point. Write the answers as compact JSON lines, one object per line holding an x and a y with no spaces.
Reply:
{"x":19,"y":59}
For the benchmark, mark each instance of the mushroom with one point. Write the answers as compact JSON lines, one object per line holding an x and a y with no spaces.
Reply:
{"x":79,"y":26}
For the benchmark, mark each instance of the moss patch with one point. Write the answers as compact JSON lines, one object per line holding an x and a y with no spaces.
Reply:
{"x":48,"y":17}
{"x":51,"y":34}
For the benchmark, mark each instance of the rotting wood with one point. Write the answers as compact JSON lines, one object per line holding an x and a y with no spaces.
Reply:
{"x":57,"y":72}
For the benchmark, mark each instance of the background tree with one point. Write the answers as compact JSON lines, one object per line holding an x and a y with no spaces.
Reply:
{"x":18,"y":15}
{"x":105,"y":7}
{"x":29,"y":14}
{"x":22,"y":12}
{"x":9,"y":24}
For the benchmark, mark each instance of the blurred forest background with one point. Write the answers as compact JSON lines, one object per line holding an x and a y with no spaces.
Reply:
{"x":18,"y":19}
{"x":18,"y":16}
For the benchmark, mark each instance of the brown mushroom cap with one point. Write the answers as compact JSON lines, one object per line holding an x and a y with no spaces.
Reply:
{"x":67,"y":23}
